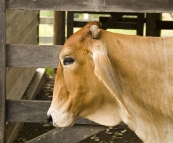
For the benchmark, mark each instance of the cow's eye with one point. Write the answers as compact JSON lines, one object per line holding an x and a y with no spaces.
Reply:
{"x":68,"y":61}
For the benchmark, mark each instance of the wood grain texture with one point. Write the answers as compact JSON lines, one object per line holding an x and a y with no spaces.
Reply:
{"x":27,"y":111}
{"x":18,"y":21}
{"x":13,"y":128}
{"x":2,"y":70}
{"x":32,"y":56}
{"x":22,"y":24}
{"x":21,"y":28}
{"x":32,"y":111}
{"x":24,"y":36}
{"x":68,"y":135}
{"x":17,"y":84}
{"x":94,"y":5}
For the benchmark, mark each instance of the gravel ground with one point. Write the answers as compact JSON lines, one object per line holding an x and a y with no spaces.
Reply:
{"x":118,"y":134}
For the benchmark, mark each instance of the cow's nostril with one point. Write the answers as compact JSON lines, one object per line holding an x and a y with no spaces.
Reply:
{"x":49,"y":119}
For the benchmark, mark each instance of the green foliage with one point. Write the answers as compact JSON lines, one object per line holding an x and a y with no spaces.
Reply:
{"x":49,"y":71}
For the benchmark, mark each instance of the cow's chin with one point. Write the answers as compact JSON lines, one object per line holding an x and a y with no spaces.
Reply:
{"x":62,"y":120}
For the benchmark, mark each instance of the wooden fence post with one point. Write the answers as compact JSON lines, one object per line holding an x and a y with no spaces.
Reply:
{"x":70,"y":23}
{"x":151,"y":24}
{"x":59,"y":29}
{"x":2,"y":70}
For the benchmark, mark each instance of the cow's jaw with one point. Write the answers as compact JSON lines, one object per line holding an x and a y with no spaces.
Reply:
{"x":107,"y":116}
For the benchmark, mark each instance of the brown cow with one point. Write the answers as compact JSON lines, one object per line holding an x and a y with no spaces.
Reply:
{"x":109,"y":78}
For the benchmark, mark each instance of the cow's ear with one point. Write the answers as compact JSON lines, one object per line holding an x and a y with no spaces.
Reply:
{"x":104,"y":71}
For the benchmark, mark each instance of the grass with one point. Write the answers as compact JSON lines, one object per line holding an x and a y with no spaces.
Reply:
{"x":49,"y":71}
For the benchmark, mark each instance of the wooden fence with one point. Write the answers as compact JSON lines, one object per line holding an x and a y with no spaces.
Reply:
{"x":37,"y":56}
{"x":153,"y":21}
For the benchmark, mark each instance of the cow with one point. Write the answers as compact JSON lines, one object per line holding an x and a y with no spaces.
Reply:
{"x":111,"y":78}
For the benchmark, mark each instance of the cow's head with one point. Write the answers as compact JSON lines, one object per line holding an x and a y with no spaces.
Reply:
{"x":85,"y":84}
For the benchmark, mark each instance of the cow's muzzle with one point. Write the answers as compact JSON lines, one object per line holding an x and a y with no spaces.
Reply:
{"x":60,"y":120}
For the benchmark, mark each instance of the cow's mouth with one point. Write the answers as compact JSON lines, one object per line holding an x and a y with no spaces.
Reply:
{"x":49,"y":119}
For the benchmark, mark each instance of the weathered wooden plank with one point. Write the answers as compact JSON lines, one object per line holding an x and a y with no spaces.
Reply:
{"x":26,"y":111}
{"x":32,"y":56}
{"x":19,"y":22}
{"x":94,"y":5}
{"x":11,"y":80}
{"x":21,"y":28}
{"x":29,"y":32}
{"x":13,"y":128}
{"x":33,"y":38}
{"x":35,"y":84}
{"x":2,"y":70}
{"x":20,"y":83}
{"x":68,"y":135}
{"x":31,"y":111}
{"x":19,"y":78}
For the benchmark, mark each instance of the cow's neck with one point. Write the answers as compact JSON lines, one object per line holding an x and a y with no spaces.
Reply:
{"x":150,"y":126}
{"x":144,"y":71}
{"x":147,"y":126}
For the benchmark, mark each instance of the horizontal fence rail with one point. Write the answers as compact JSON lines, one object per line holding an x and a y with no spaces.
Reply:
{"x":94,"y":5}
{"x":68,"y":135}
{"x":32,"y":56}
{"x":32,"y":111}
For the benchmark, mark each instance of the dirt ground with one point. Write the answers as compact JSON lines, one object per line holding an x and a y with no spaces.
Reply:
{"x":118,"y":134}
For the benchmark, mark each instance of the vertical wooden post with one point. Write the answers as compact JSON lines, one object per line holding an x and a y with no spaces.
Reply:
{"x":2,"y":70}
{"x":59,"y":27}
{"x":151,"y":24}
{"x":140,"y":24}
{"x":70,"y":23}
